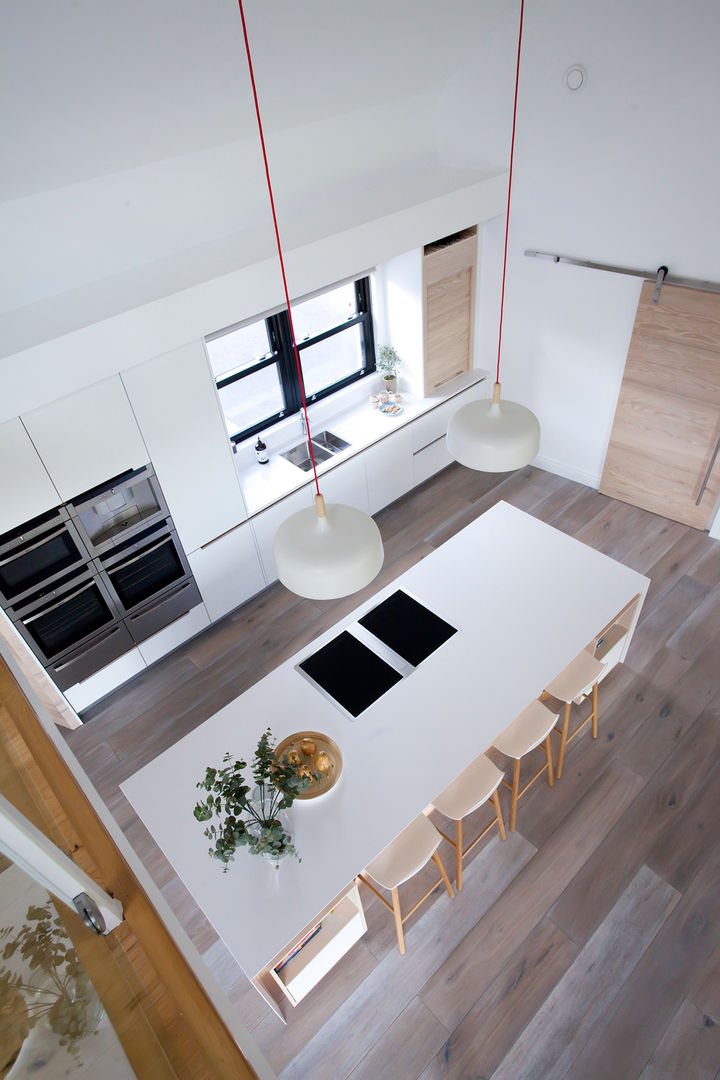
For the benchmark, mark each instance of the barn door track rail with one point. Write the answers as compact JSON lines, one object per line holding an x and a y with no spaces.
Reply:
{"x":661,"y":276}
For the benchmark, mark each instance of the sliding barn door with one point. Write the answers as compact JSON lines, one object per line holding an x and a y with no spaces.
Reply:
{"x":667,"y":421}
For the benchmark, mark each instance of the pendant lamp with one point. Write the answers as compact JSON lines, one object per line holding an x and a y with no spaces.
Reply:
{"x":323,"y":552}
{"x":494,"y":435}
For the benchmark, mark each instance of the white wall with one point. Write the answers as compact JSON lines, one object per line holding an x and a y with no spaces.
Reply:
{"x":55,"y":368}
{"x":623,"y":172}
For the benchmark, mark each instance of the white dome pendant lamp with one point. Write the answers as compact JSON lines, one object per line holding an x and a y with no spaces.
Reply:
{"x":493,"y":435}
{"x":323,"y":552}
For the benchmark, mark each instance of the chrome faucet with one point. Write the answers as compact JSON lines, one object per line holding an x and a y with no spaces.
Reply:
{"x":303,"y":425}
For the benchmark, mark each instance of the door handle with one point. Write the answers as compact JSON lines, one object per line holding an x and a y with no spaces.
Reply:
{"x":707,"y":474}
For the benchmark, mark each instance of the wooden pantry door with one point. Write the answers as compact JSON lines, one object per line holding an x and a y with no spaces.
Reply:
{"x":667,"y":420}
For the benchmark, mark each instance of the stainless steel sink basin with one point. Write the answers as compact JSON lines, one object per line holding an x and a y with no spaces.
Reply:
{"x":300,"y":455}
{"x":324,"y":445}
{"x":330,"y":442}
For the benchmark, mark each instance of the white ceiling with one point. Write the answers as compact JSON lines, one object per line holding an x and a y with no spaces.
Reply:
{"x":131,"y":164}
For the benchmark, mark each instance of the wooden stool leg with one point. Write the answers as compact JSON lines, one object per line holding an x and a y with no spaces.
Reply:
{"x":594,"y":711}
{"x":439,"y":863}
{"x":398,"y":921}
{"x":498,"y":814}
{"x":563,"y":739}
{"x":515,"y":789}
{"x":458,"y":855}
{"x":548,"y":755}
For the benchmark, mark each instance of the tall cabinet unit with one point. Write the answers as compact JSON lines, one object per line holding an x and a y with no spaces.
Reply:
{"x":449,"y":273}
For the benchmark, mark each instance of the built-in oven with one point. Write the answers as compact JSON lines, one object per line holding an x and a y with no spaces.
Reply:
{"x":150,"y":579}
{"x":121,"y":507}
{"x":37,"y":554}
{"x":72,"y":627}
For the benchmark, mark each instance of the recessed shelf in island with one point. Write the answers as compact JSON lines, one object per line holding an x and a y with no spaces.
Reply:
{"x":322,"y":946}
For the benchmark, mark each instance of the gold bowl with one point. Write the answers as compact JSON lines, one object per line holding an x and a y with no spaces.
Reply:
{"x":297,"y":746}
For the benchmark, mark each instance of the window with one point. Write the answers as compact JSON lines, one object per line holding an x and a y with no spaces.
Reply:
{"x":254,"y":364}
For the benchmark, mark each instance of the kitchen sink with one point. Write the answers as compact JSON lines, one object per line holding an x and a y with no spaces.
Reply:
{"x":300,"y":455}
{"x":324,"y":445}
{"x":331,"y":442}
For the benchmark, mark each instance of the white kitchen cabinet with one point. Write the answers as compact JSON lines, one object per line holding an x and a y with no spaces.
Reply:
{"x":175,"y":402}
{"x":227,"y":571}
{"x":389,"y":469}
{"x":88,"y":437}
{"x":26,"y":489}
{"x":85,"y":693}
{"x":267,"y":523}
{"x":347,"y":483}
{"x":167,"y":639}
{"x":428,"y":434}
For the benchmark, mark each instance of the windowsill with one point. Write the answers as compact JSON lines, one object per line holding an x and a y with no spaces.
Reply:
{"x":352,"y":418}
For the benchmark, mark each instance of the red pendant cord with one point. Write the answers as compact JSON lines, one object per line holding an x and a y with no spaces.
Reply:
{"x":507,"y":215}
{"x":279,"y":248}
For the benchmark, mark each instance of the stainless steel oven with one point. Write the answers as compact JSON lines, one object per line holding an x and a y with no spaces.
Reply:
{"x":37,"y":554}
{"x":123,"y":506}
{"x":73,"y":627}
{"x":150,"y":579}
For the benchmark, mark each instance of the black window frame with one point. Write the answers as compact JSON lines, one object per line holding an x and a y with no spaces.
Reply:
{"x":282,"y":356}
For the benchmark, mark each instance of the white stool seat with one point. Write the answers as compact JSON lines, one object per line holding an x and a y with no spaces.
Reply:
{"x":469,"y":790}
{"x":527,"y":730}
{"x":406,"y":854}
{"x":574,"y":682}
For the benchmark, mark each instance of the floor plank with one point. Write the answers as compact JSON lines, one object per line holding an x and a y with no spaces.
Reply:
{"x":560,"y":1027}
{"x":623,"y":1039}
{"x":488,"y":1031}
{"x":690,"y":1048}
{"x":402,"y":1051}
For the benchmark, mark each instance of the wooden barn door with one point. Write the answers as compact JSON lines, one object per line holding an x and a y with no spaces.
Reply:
{"x":667,"y":421}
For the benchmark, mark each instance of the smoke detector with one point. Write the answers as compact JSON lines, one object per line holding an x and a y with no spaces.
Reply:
{"x":575,"y":77}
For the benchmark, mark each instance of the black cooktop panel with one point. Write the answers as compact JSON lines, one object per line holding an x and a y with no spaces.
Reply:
{"x":407,"y":627}
{"x":350,"y":673}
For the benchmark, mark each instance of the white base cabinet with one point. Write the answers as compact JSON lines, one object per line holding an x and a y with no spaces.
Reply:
{"x":389,"y":468}
{"x":227,"y":571}
{"x":167,"y":639}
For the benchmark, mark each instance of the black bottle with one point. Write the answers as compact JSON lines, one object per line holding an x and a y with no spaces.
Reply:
{"x":261,"y":452}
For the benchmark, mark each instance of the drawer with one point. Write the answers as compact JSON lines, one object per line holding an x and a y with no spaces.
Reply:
{"x":164,"y":610}
{"x":432,"y":426}
{"x":83,"y":662}
{"x":430,"y":460}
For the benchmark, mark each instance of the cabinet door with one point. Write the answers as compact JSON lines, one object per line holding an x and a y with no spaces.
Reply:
{"x":176,"y":404}
{"x":389,"y":468}
{"x":227,"y":571}
{"x":267,"y":523}
{"x":26,"y":490}
{"x":347,"y":483}
{"x":88,"y":437}
{"x":449,"y":305}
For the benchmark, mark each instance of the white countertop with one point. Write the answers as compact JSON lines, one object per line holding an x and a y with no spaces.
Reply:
{"x":526,"y":599}
{"x":360,"y":424}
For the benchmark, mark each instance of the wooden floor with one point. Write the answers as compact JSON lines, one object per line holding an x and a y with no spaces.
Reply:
{"x":588,"y":944}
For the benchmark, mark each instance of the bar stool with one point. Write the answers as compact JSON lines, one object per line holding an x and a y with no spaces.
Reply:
{"x":577,"y":682}
{"x":401,"y":860}
{"x":467,"y":793}
{"x":529,"y":728}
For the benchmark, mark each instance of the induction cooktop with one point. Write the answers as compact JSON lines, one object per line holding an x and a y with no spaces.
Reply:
{"x":407,"y":627}
{"x":354,"y":675}
{"x":350,"y":673}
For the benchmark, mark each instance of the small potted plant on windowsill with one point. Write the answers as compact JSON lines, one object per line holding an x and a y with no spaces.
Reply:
{"x":387,"y":362}
{"x":257,"y":819}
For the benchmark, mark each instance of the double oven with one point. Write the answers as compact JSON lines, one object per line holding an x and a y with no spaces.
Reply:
{"x":86,"y":581}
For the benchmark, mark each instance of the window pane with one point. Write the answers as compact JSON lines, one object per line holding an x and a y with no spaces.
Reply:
{"x":331,"y":360}
{"x":323,"y":312}
{"x":250,"y":400}
{"x":238,"y":349}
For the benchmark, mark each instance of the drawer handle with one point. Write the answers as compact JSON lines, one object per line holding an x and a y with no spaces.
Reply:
{"x":79,"y":656}
{"x":161,"y":603}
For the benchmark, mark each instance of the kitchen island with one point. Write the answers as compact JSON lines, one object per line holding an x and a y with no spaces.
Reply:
{"x":524,"y":599}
